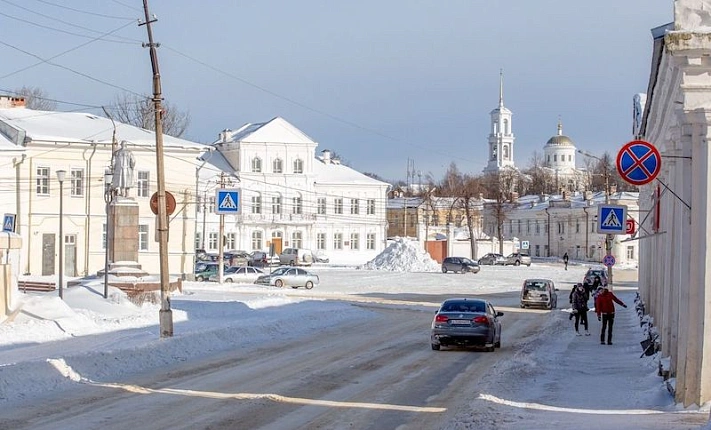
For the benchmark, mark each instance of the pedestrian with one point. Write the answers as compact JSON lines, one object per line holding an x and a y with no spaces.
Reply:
{"x":565,"y":260}
{"x":580,"y":308}
{"x":605,"y":309}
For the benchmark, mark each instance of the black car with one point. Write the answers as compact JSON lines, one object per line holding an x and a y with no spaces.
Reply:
{"x":466,"y":322}
{"x":460,"y":265}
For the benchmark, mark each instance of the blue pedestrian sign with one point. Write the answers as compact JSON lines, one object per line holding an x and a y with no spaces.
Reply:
{"x":611,"y":219}
{"x":227,"y":201}
{"x":608,"y":260}
{"x":8,"y":223}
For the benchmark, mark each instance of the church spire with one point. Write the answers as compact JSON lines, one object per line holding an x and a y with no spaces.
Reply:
{"x":501,"y":88}
{"x":560,"y":126}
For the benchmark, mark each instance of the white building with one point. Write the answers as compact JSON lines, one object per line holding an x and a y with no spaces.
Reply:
{"x":559,"y":161}
{"x":501,"y":137}
{"x":34,"y":145}
{"x":289,"y":196}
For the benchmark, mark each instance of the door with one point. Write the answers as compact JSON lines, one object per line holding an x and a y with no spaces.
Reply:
{"x":48,"y":254}
{"x":70,"y":255}
{"x":277,"y":244}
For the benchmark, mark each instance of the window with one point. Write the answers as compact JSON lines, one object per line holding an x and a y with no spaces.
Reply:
{"x":256,"y":239}
{"x":211,"y":204}
{"x":231,"y":240}
{"x":298,"y":166}
{"x":77,"y":183}
{"x":321,"y":206}
{"x":212,"y":239}
{"x":256,"y":165}
{"x":630,"y":252}
{"x":42,"y":180}
{"x":338,"y":241}
{"x":276,"y":205}
{"x":528,"y":226}
{"x":142,"y":183}
{"x":320,"y":240}
{"x":355,"y":206}
{"x":506,"y":152}
{"x":296,"y":207}
{"x":256,"y":204}
{"x":370,"y":206}
{"x":296,"y":239}
{"x":555,"y":158}
{"x":577,"y":226}
{"x":198,"y":240}
{"x":355,"y":241}
{"x":370,"y":241}
{"x":538,"y":250}
{"x":200,"y":202}
{"x":277,"y":166}
{"x":143,"y":237}
{"x":337,"y":206}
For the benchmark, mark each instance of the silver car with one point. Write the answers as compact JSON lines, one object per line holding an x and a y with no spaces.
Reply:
{"x":293,"y":277}
{"x":244,"y":274}
{"x":466,"y":322}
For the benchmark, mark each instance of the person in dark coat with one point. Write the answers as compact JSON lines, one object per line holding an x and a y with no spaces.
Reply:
{"x":565,"y":260}
{"x":580,"y":308}
{"x":605,"y":309}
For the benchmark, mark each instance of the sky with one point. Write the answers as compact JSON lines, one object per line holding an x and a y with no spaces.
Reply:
{"x":47,"y":348}
{"x":379,"y":83}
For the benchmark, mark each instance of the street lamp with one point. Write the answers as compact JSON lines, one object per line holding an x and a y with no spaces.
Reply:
{"x":60,"y":177}
{"x":608,"y":236}
{"x":108,"y":197}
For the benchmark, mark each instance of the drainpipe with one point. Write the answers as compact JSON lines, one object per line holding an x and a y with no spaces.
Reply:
{"x":29,"y":221}
{"x":18,"y":201}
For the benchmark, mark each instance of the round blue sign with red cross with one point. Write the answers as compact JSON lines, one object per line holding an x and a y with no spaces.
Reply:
{"x":639,"y":162}
{"x":608,"y":260}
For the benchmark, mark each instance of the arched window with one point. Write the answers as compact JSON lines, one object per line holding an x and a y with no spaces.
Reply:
{"x":256,"y":165}
{"x":506,"y":127}
{"x":506,"y":152}
{"x":277,"y":166}
{"x":298,"y":166}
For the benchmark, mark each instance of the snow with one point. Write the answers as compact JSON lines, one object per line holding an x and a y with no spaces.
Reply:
{"x":553,"y":373}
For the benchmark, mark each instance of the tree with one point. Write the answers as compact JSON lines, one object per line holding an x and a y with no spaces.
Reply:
{"x":541,"y":178}
{"x":139,"y":111}
{"x":36,"y":98}
{"x":499,"y":191}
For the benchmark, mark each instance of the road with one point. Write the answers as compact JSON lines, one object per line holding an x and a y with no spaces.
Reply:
{"x":375,"y":375}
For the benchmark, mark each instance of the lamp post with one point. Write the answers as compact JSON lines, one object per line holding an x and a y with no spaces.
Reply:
{"x":608,"y":237}
{"x":60,"y":177}
{"x":108,"y":198}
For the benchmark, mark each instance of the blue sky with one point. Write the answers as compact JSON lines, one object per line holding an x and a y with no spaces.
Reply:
{"x":378,"y":82}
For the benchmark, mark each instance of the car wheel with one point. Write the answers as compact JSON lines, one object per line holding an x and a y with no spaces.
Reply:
{"x":497,"y":344}
{"x":279,"y":283}
{"x":517,"y":263}
{"x":294,"y":286}
{"x":228,"y":280}
{"x":309,"y":285}
{"x":199,"y":278}
{"x":444,"y":270}
{"x":490,"y":349}
{"x":435,"y":347}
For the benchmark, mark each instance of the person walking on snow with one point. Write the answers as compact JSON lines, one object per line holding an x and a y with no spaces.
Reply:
{"x":565,"y":260}
{"x":580,"y":308}
{"x":605,"y":309}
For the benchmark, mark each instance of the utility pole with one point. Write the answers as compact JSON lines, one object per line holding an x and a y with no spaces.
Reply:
{"x":165,"y":314}
{"x":608,"y":236}
{"x":221,"y":240}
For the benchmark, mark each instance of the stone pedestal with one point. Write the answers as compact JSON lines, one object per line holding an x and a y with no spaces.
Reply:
{"x":9,"y":243}
{"x":123,"y":231}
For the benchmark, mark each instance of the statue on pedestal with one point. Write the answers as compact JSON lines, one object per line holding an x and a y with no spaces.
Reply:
{"x":124,"y":163}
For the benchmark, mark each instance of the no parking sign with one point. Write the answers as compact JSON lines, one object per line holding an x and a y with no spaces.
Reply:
{"x":639,"y":162}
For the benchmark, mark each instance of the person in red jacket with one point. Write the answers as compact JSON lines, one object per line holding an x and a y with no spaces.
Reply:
{"x":605,"y":309}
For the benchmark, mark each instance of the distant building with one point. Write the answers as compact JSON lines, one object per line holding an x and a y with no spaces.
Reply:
{"x":501,"y":137}
{"x":559,"y":162}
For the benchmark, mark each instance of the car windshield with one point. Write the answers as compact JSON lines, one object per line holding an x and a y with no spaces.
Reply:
{"x":464,"y":307}
{"x":468,"y":261}
{"x":280,"y":271}
{"x":536,"y":286}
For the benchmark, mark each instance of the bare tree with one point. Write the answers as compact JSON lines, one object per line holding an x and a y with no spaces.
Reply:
{"x":36,"y":98}
{"x":541,"y":179}
{"x":139,"y":112}
{"x":465,"y":191}
{"x":501,"y":204}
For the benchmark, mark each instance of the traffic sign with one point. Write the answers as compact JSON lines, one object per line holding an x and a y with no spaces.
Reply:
{"x":630,"y":226}
{"x":227,"y":201}
{"x":639,"y":162}
{"x":608,"y":260}
{"x":8,"y":223}
{"x":524,"y":244}
{"x":611,"y":219}
{"x":170,"y":203}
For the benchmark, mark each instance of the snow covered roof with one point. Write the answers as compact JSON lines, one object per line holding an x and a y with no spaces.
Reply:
{"x":327,"y":172}
{"x":276,"y":130}
{"x":24,"y":125}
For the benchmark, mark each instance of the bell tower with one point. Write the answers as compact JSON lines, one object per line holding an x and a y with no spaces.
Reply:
{"x":501,"y":137}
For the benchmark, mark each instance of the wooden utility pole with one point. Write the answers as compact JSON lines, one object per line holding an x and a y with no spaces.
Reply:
{"x":221,"y":240}
{"x":165,"y":314}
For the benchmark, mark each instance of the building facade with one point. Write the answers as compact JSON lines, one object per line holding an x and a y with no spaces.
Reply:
{"x":289,"y":196}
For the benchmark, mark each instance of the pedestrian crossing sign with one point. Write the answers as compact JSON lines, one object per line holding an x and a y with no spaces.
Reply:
{"x":8,"y":223}
{"x":227,"y":201}
{"x":611,"y":219}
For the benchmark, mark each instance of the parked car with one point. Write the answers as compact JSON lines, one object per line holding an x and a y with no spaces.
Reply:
{"x":460,"y":265}
{"x":319,"y":257}
{"x":242,"y":274}
{"x":236,"y":258}
{"x":466,"y":322}
{"x":258,"y":259}
{"x":293,"y":277}
{"x":592,"y":272}
{"x":492,"y":258}
{"x":204,"y":270}
{"x":539,"y":292}
{"x":517,"y":259}
{"x":296,"y":257}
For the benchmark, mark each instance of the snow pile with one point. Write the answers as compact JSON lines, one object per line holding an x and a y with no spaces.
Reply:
{"x":403,"y":255}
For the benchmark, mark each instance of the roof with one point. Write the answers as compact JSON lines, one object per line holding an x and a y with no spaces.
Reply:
{"x":327,"y":172}
{"x":25,"y":125}
{"x":276,"y":130}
